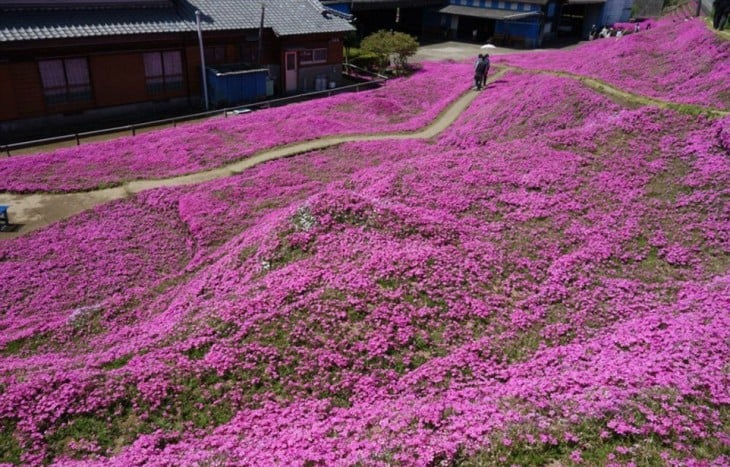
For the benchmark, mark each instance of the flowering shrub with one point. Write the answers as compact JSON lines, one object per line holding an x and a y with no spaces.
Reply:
{"x":678,"y":62}
{"x":531,"y":288}
{"x":525,"y":105}
{"x":404,"y":104}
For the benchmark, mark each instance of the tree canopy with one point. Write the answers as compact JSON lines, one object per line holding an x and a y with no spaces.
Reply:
{"x":390,"y":46}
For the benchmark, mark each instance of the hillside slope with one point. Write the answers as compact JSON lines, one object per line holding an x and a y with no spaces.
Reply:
{"x":547,"y":281}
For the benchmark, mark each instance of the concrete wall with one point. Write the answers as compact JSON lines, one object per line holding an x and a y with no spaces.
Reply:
{"x":308,"y":76}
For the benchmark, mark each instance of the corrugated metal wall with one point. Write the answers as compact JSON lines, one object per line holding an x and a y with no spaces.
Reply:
{"x":617,"y":11}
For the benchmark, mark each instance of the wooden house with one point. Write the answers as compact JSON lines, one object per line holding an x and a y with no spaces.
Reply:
{"x":71,"y":61}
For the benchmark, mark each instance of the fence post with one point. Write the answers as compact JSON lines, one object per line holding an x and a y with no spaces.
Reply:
{"x":134,"y":130}
{"x":78,"y":140}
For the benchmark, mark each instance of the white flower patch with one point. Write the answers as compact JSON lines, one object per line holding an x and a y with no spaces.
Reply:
{"x":304,"y":219}
{"x":81,"y":315}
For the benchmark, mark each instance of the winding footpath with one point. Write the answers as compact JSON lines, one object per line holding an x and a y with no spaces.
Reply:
{"x":37,"y":210}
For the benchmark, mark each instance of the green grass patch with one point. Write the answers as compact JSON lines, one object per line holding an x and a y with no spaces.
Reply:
{"x":666,"y":184}
{"x":10,"y":448}
{"x":118,"y":362}
{"x":198,"y":353}
{"x":247,"y":252}
{"x":25,"y":344}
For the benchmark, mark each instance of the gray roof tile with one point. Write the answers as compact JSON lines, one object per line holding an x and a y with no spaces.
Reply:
{"x":284,"y":17}
{"x":57,"y":24}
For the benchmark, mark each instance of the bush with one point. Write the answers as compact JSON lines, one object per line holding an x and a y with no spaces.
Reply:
{"x":367,"y":61}
{"x":390,"y":46}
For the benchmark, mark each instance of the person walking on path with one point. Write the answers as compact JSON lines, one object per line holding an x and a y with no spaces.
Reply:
{"x":479,"y":67}
{"x":486,"y":70}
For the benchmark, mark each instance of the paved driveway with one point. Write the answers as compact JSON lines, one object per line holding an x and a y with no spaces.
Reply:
{"x":462,"y":50}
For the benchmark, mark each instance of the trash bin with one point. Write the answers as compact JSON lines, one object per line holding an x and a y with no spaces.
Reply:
{"x":320,"y":83}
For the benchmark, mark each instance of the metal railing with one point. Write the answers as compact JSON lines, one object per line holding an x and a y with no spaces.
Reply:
{"x":375,"y":81}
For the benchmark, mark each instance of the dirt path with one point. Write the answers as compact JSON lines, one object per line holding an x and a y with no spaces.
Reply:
{"x":41,"y":209}
{"x":38,"y":210}
{"x":612,"y":91}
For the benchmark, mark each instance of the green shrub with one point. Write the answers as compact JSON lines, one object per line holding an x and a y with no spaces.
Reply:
{"x":390,"y":46}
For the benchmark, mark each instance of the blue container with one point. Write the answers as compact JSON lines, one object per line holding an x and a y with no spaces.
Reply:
{"x":229,"y":86}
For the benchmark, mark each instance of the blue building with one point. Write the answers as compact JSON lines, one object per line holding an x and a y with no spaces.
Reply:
{"x":419,"y":18}
{"x":523,"y":23}
{"x":529,"y":23}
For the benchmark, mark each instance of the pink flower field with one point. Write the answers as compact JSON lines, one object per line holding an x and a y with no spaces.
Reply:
{"x":401,"y":105}
{"x":680,"y":62}
{"x":545,"y":283}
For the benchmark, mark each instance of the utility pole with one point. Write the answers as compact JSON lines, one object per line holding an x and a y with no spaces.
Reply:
{"x":261,"y":34}
{"x":202,"y":58}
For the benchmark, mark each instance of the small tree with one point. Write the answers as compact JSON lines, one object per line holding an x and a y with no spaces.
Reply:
{"x":378,"y":44}
{"x":404,"y":46}
{"x":387,"y":45}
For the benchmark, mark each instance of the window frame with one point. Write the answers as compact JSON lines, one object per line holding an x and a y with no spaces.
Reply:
{"x":313,"y":54}
{"x":165,"y":82}
{"x":70,"y":92}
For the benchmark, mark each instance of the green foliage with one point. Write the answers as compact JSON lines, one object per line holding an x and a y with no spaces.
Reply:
{"x":378,"y":44}
{"x":10,"y":449}
{"x":350,"y":40}
{"x":24,"y":344}
{"x":404,"y":46}
{"x":117,"y":363}
{"x":387,"y":46}
{"x":198,"y":353}
{"x":366,"y":61}
{"x":84,"y":428}
{"x":200,"y":402}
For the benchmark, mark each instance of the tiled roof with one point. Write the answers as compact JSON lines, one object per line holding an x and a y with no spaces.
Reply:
{"x":284,"y":17}
{"x":364,"y":5}
{"x":20,"y":25}
{"x":405,"y":3}
{"x":490,"y":13}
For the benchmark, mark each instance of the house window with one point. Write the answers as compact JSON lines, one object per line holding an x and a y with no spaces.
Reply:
{"x":313,"y":56}
{"x":163,"y":72}
{"x":65,"y":80}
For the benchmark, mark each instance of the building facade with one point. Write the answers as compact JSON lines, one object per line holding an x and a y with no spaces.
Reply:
{"x":530,"y":23}
{"x":78,"y":60}
{"x":419,"y":18}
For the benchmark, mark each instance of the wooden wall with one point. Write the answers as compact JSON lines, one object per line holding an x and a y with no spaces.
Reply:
{"x":117,"y":79}
{"x":116,"y":67}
